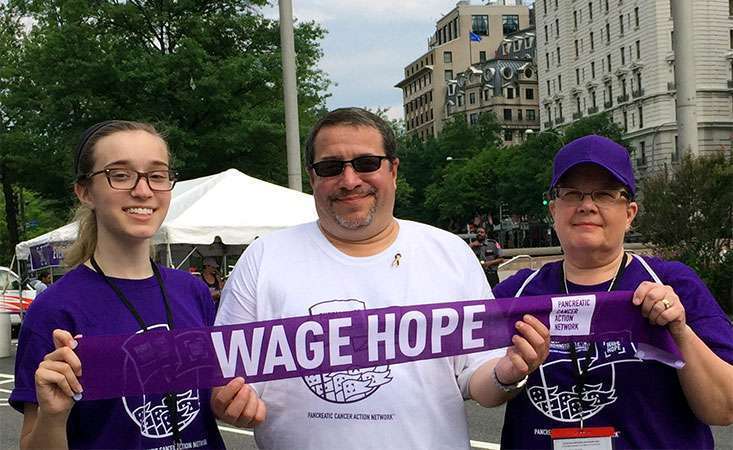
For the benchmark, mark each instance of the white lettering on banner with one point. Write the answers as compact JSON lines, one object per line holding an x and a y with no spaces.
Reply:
{"x":438,"y":330}
{"x":571,"y":316}
{"x":420,"y":329}
{"x":336,"y":341}
{"x":470,"y":324}
{"x":302,"y":346}
{"x":238,"y":347}
{"x":386,"y":336}
{"x":278,"y":351}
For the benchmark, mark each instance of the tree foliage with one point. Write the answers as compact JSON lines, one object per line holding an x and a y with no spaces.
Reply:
{"x":688,"y":215}
{"x":207,"y":73}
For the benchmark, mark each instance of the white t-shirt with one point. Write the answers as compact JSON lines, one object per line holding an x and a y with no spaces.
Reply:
{"x":296,"y":272}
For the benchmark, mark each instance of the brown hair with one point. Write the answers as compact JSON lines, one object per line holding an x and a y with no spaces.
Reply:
{"x":357,"y":117}
{"x":86,"y":241}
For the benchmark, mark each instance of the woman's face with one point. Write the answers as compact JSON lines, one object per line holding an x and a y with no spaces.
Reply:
{"x":586,"y":226}
{"x":128,"y":215}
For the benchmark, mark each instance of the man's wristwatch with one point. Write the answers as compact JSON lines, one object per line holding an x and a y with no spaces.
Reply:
{"x":509,"y":387}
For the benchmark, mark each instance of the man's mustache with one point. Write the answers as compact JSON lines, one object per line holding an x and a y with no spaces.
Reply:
{"x":348,"y":193}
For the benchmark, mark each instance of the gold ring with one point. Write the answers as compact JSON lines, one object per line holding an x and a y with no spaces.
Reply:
{"x":667,"y":304}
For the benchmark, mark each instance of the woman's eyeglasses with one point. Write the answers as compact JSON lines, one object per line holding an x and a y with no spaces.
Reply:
{"x":362,"y":164}
{"x":127,"y":179}
{"x":601,"y":197}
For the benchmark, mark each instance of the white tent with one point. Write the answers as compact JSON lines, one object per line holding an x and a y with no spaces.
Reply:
{"x":230,"y":206}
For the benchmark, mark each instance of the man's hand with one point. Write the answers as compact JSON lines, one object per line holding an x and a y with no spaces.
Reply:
{"x":238,"y":404}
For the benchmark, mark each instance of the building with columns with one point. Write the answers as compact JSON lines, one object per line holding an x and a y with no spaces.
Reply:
{"x":616,"y":56}
{"x":451,"y":51}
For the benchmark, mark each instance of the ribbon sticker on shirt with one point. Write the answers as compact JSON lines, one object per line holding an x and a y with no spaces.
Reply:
{"x":166,"y":361}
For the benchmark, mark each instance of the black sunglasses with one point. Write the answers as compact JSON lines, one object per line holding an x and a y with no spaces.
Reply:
{"x":362,"y":164}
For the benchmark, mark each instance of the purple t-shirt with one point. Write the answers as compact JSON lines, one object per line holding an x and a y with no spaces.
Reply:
{"x":643,"y":400}
{"x":82,"y":303}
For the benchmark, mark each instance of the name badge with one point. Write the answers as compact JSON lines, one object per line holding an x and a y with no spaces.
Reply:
{"x":591,"y":438}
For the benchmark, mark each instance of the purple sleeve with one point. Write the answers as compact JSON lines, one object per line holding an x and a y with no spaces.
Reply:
{"x":509,"y":287}
{"x":33,"y":346}
{"x":704,"y":314}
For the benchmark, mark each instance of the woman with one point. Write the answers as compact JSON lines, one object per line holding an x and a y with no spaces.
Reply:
{"x":211,"y":279}
{"x":123,"y":181}
{"x":650,"y":405}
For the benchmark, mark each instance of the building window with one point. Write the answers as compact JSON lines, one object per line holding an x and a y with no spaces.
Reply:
{"x":606,"y":5}
{"x":623,"y":57}
{"x":480,"y":25}
{"x":508,"y":135}
{"x":590,"y":11}
{"x":592,"y":41}
{"x":460,"y":100}
{"x":642,"y":153}
{"x":638,"y":81}
{"x":636,"y":17}
{"x":519,"y":115}
{"x":482,"y":56}
{"x":559,"y":108}
{"x":546,"y":35}
{"x":575,"y":19}
{"x":547,"y":60}
{"x":507,"y":114}
{"x":472,"y":98}
{"x":608,"y":33}
{"x":577,"y":104}
{"x":549,"y":91}
{"x":577,"y":53}
{"x":558,"y":56}
{"x":626,"y":121}
{"x":557,"y":28}
{"x":638,"y":47}
{"x":577,"y":76}
{"x":531,"y":115}
{"x":593,"y":99}
{"x":510,"y":23}
{"x":559,"y":83}
{"x":544,"y":4}
{"x":447,"y":57}
{"x":608,"y":61}
{"x":448,"y":75}
{"x":641,"y":117}
{"x":509,"y":92}
{"x":623,"y":87}
{"x":592,"y":69}
{"x":529,"y":94}
{"x":473,"y":118}
{"x":621,"y":25}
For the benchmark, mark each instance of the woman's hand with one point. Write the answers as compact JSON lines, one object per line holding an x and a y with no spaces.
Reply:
{"x":530,"y":348}
{"x":661,"y":305}
{"x":57,"y":377}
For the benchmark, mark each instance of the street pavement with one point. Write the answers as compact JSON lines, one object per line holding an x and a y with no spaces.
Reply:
{"x":484,"y":424}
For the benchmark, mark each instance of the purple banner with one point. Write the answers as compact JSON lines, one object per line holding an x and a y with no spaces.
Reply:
{"x":163,"y":361}
{"x":45,"y":255}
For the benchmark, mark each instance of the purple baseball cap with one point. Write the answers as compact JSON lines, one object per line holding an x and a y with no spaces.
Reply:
{"x":596,"y":150}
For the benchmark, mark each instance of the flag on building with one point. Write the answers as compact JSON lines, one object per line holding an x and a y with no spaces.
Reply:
{"x":474,"y":37}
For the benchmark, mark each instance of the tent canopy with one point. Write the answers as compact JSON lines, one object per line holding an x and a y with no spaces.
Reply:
{"x":230,"y":205}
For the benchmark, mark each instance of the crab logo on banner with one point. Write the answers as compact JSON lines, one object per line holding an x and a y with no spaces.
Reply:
{"x":351,"y":385}
{"x":150,"y":412}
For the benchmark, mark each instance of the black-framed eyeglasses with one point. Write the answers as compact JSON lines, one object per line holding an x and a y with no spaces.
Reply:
{"x":127,"y":179}
{"x":601,"y":197}
{"x":362,"y":164}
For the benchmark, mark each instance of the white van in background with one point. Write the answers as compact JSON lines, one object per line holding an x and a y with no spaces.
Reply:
{"x":13,"y":299}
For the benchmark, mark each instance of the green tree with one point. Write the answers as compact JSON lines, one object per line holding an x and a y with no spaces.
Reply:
{"x":688,"y":215}
{"x":207,"y":73}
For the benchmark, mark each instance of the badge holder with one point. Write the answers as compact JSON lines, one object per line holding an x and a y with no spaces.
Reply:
{"x":591,"y":438}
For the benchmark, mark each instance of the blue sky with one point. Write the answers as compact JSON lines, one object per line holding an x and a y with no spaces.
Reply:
{"x":369,"y":42}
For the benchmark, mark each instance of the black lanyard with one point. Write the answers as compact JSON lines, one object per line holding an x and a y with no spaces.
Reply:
{"x":171,"y":400}
{"x":581,"y":373}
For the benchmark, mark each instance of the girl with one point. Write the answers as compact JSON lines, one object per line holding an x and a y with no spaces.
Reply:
{"x":124,"y":183}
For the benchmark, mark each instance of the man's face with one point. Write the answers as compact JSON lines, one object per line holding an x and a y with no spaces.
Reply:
{"x":353,"y":206}
{"x":480,"y":235}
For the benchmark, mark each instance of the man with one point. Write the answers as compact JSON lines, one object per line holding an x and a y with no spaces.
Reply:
{"x":358,"y":256}
{"x":41,"y":284}
{"x":488,"y":251}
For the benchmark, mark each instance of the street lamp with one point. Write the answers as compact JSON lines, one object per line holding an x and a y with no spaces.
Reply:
{"x":557,"y":134}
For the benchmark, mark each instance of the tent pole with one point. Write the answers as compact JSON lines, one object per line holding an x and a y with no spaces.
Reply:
{"x":170,"y":256}
{"x":186,"y":258}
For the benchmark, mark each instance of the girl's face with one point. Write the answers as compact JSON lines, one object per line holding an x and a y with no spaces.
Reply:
{"x":127,"y":215}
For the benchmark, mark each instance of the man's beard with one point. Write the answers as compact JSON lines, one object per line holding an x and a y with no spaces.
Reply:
{"x":359,"y":222}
